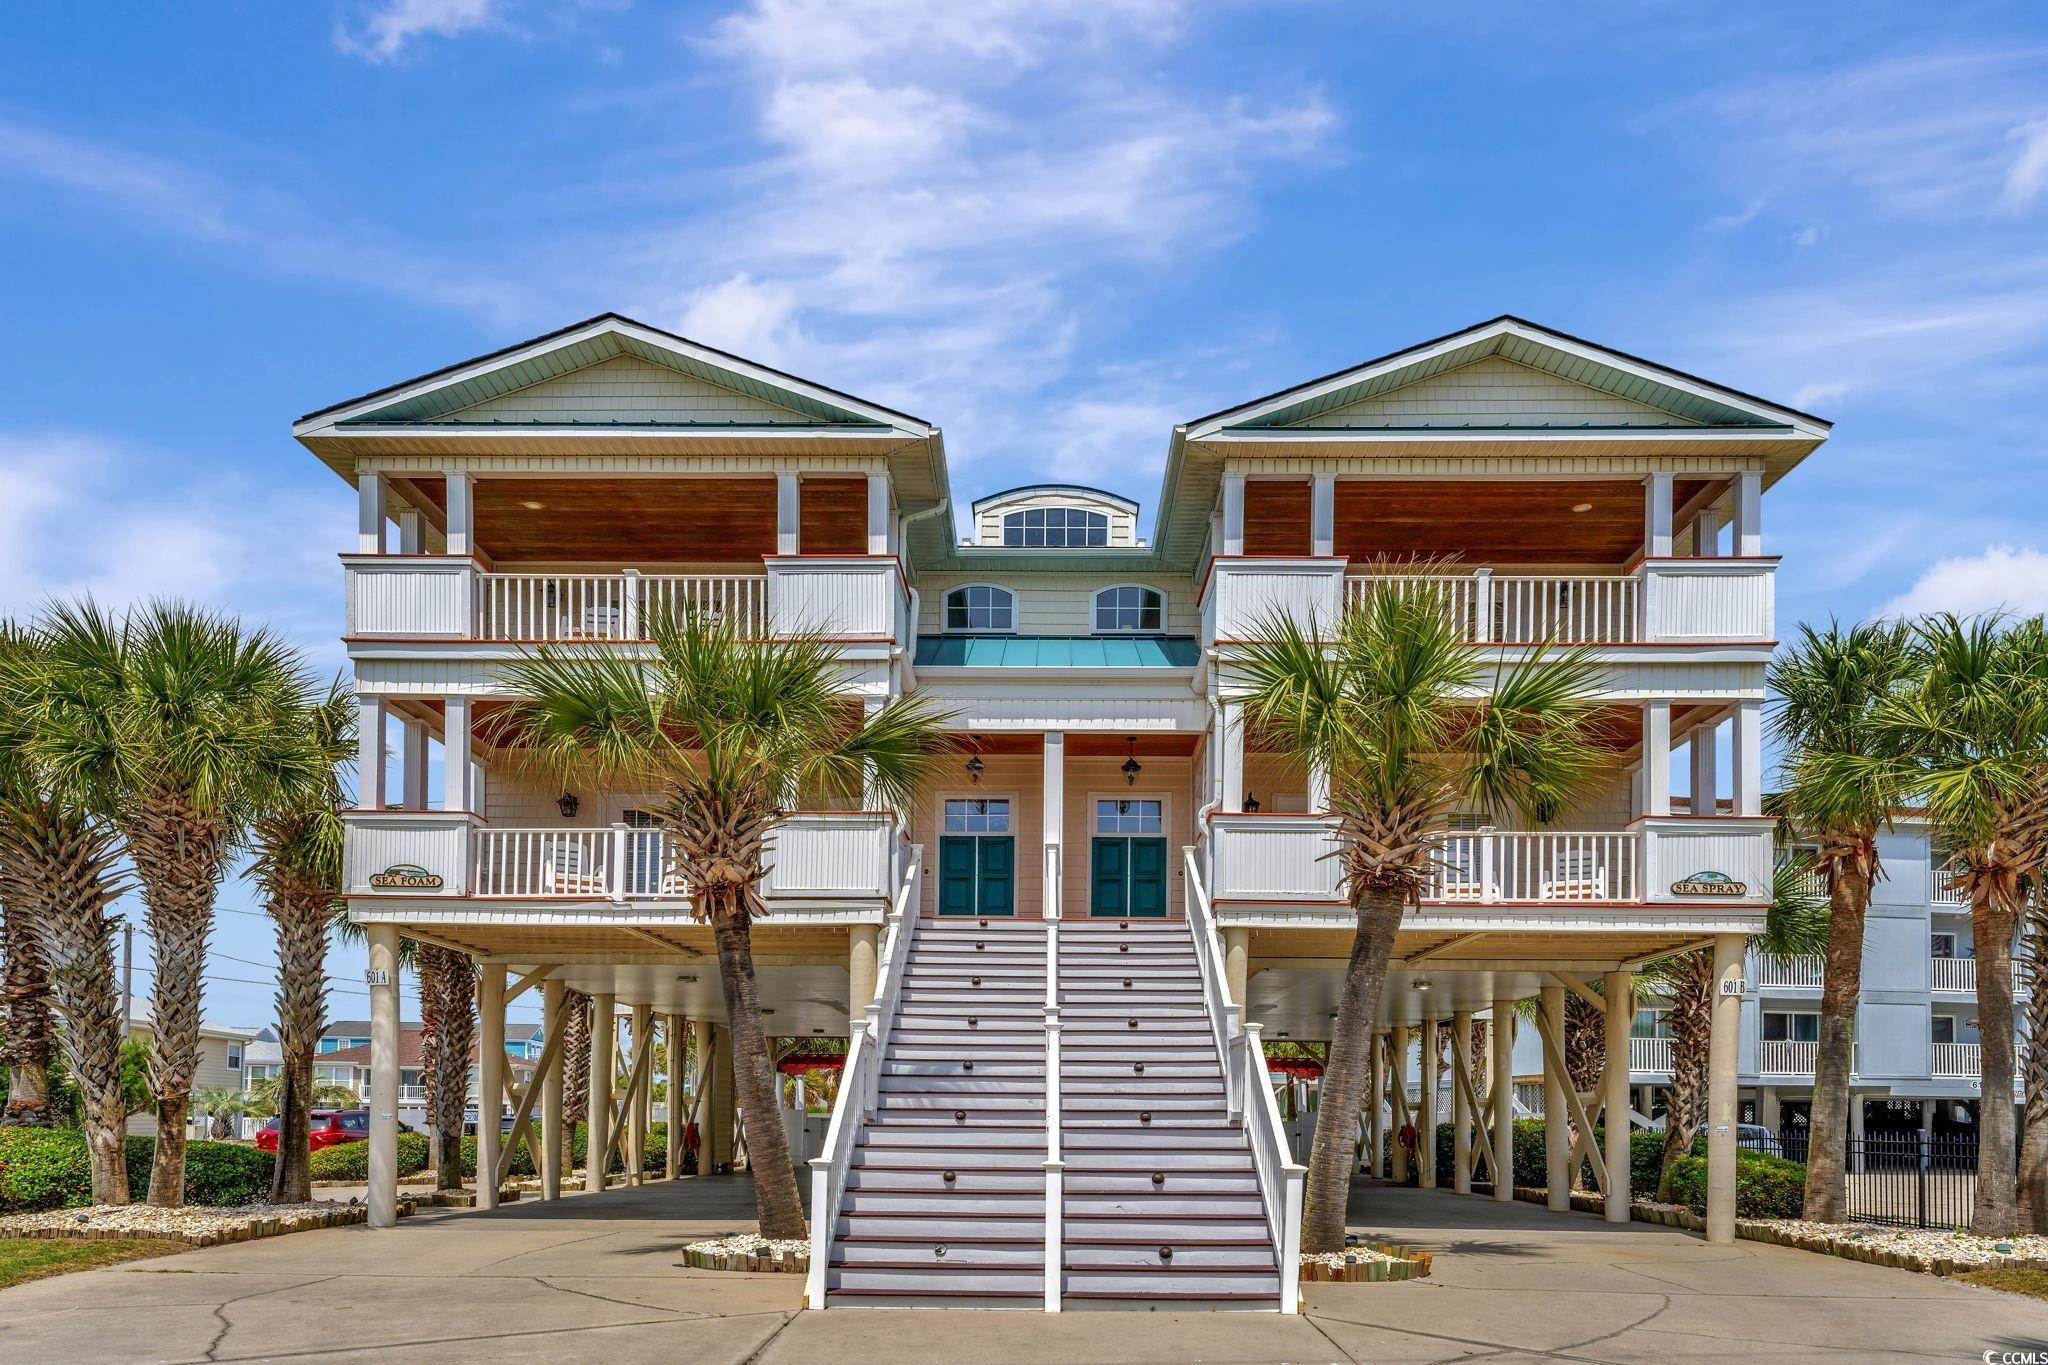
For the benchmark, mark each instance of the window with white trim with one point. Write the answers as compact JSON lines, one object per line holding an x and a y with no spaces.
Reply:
{"x":1129,"y":607}
{"x":981,"y":606}
{"x":234,"y":1056}
{"x":1055,"y":528}
{"x":1130,"y":815}
{"x":1789,"y":1027}
{"x":978,"y":815}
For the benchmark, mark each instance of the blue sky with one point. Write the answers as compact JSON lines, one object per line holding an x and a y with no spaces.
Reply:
{"x":1054,"y":226}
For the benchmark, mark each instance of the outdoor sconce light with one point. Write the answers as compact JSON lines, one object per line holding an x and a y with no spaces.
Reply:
{"x":975,"y":768}
{"x":1251,"y":804}
{"x":1132,"y":767}
{"x":568,"y":805}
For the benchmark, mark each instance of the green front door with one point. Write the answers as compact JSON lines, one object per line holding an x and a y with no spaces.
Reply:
{"x":977,"y":859}
{"x":1129,"y":877}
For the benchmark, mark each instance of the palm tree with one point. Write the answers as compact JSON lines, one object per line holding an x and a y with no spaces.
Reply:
{"x":1828,"y":689}
{"x":221,"y":1106}
{"x":58,"y":878}
{"x":448,"y":1037}
{"x":298,"y":839}
{"x":25,"y":1039}
{"x":1396,"y":711}
{"x":726,"y":730}
{"x":1972,"y":737}
{"x":576,"y":1060}
{"x":178,"y":724}
{"x":1796,"y":925}
{"x":2033,"y":1168}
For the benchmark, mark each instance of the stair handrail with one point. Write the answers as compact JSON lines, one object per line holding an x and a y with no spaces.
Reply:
{"x":867,"y":1039}
{"x":1055,"y":1164}
{"x":1226,"y":1016}
{"x":1250,"y":1092}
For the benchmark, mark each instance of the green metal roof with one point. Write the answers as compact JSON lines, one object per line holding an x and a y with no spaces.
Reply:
{"x":1057,"y":651}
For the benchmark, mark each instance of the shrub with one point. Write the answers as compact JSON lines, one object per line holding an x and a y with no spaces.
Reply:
{"x":351,"y":1160}
{"x":1645,"y":1151}
{"x":49,"y":1169}
{"x":1765,"y":1186}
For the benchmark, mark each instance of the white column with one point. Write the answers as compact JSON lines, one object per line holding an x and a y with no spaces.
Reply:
{"x":1500,"y":1050}
{"x":490,"y":1083}
{"x":456,"y":788}
{"x":1425,"y":1136}
{"x":603,"y":1030}
{"x":412,"y":531}
{"x":1747,"y":750}
{"x":1620,"y":1014}
{"x":1656,"y":757}
{"x":412,"y":764}
{"x":1375,"y":1107}
{"x":1397,"y":1079}
{"x":1237,"y":954}
{"x":673,"y":1033}
{"x":862,"y":949}
{"x":788,"y":514}
{"x":639,"y":1117}
{"x":370,"y":514}
{"x":1657,"y":516}
{"x":1322,"y":515}
{"x":1749,"y":514}
{"x":1053,"y":821}
{"x":1706,"y":781}
{"x":383,"y":980}
{"x":1721,"y":1097}
{"x":555,"y":1013}
{"x":370,"y":753}
{"x":1231,"y":754}
{"x":1233,"y":514}
{"x":1461,"y":1109}
{"x":461,"y":514}
{"x":1557,"y":1118}
{"x":878,"y":514}
{"x":1706,"y":533}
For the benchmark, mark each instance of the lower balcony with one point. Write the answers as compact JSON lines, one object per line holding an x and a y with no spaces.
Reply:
{"x":816,"y":856}
{"x":1958,"y":1060}
{"x":1289,"y":860}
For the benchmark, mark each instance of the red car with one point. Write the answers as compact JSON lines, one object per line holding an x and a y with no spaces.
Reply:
{"x":330,"y":1128}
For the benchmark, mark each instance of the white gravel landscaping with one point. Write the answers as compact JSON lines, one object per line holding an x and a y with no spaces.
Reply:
{"x":1966,"y":1251}
{"x":749,"y":1251}
{"x":199,"y":1226}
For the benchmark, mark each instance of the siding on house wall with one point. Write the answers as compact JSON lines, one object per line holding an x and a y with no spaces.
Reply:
{"x":624,"y":389}
{"x":213,"y":1074}
{"x":1490,"y":392}
{"x":1056,"y":603}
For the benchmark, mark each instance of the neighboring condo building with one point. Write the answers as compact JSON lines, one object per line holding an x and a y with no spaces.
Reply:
{"x":1554,"y":494}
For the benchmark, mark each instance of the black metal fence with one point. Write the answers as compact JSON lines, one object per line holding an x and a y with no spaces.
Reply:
{"x":1896,"y":1179}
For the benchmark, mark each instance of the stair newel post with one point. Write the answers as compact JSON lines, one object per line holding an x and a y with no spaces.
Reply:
{"x":1055,"y":1166}
{"x":871,"y":1028}
{"x":1233,"y":1069}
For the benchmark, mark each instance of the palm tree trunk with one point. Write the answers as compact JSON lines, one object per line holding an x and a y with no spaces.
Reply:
{"x":775,"y":1190}
{"x":1328,"y":1190}
{"x":448,"y":1029}
{"x":24,"y":1019}
{"x":301,"y":912}
{"x":1841,"y":987}
{"x":1991,"y":927}
{"x":1691,"y":1021}
{"x":576,"y":1061}
{"x":58,"y":868}
{"x":2033,"y":1172}
{"x":180,"y":856}
{"x":1585,"y":1052}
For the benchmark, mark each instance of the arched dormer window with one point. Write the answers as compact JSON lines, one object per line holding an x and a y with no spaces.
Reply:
{"x":1129,"y":607}
{"x":981,"y":606}
{"x":1055,"y":528}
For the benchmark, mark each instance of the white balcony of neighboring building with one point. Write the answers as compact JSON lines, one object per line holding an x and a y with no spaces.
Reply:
{"x":1786,"y":1058}
{"x":1649,"y":1056}
{"x":1801,"y":973}
{"x":1958,"y":1060}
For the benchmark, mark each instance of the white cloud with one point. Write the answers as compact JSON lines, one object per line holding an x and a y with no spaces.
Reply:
{"x":80,"y":514}
{"x":384,"y":32}
{"x":2028,"y":174}
{"x":2001,"y":578}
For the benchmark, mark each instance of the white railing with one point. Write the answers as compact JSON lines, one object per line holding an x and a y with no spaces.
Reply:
{"x":811,"y":853}
{"x":1055,"y":1164}
{"x":1650,"y":1054}
{"x":1813,"y":885}
{"x":1524,"y":608}
{"x":1250,"y":1092}
{"x":551,"y":607}
{"x":1803,"y":972}
{"x":1958,"y":1059}
{"x":547,"y":863}
{"x":1787,"y":1058}
{"x":1496,"y":866}
{"x":867,"y":1043}
{"x":1955,"y":973}
{"x":1944,"y":894}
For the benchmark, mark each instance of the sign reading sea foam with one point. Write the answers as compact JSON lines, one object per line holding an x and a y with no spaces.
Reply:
{"x":1700,"y":884}
{"x":405,"y":877}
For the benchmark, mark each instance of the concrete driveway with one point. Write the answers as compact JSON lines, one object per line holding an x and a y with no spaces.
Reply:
{"x":595,"y":1276}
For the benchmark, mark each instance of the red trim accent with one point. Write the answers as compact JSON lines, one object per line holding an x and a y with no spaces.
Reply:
{"x":411,"y":810}
{"x":812,"y":1061}
{"x":1688,"y":816}
{"x":1576,"y":644}
{"x":637,"y":640}
{"x":1306,"y":1067}
{"x":411,"y":554}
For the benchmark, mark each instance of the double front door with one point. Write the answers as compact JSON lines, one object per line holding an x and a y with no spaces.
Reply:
{"x":1127,"y":858}
{"x":978,"y":858}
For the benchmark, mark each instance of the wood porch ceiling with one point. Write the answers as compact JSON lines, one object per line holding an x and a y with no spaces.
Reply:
{"x":1476,"y":522}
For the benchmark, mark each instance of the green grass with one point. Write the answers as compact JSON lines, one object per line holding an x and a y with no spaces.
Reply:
{"x":2012,"y":1279}
{"x":33,"y":1258}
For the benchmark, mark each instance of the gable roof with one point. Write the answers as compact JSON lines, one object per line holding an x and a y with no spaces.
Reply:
{"x":1693,"y":401}
{"x":448,"y":390}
